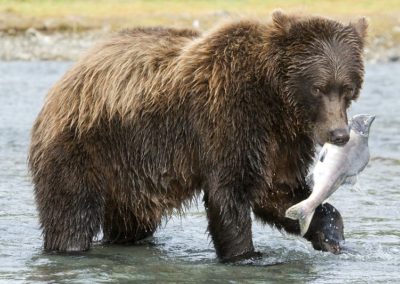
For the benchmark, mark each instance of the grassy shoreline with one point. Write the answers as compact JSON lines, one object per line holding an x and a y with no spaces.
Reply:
{"x":83,"y":18}
{"x":56,"y":15}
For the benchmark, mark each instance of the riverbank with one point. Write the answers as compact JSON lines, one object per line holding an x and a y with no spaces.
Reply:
{"x":67,"y":46}
{"x":61,"y":30}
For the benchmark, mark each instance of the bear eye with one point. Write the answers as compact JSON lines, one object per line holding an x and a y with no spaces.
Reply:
{"x":316,"y":91}
{"x":349,"y":92}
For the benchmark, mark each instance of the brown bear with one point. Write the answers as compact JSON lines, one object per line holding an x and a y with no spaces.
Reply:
{"x":153,"y":117}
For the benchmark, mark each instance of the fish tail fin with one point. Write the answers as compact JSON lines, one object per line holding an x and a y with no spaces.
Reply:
{"x":302,"y":212}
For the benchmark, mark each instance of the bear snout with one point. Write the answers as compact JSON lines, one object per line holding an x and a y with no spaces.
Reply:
{"x":339,"y":136}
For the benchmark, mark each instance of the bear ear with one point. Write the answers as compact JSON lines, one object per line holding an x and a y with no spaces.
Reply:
{"x":361,"y":27}
{"x":282,"y":21}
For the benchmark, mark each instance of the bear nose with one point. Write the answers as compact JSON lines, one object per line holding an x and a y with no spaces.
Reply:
{"x":339,"y":136}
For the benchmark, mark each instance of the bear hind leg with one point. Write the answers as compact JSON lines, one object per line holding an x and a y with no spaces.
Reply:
{"x":70,"y":222}
{"x":69,"y":200}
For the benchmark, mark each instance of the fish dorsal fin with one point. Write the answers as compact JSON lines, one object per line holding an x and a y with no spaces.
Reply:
{"x":322,"y":155}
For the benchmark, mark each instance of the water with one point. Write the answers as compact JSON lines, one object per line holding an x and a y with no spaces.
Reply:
{"x":181,"y":250}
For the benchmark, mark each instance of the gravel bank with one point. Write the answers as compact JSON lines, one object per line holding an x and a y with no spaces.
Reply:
{"x":67,"y":46}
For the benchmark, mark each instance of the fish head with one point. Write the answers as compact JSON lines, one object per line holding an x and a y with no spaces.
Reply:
{"x":326,"y":229}
{"x":361,"y":124}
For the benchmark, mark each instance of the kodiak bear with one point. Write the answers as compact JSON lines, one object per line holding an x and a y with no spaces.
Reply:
{"x":149,"y":119}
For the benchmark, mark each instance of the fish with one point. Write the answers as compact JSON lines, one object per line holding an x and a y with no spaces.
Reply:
{"x":336,"y":165}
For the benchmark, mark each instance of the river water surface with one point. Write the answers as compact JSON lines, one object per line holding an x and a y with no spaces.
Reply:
{"x":181,"y":250}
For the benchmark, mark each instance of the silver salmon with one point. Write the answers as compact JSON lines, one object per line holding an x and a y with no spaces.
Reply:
{"x":336,"y":165}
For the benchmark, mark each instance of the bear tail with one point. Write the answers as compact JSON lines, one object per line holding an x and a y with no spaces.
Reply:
{"x":302,"y":212}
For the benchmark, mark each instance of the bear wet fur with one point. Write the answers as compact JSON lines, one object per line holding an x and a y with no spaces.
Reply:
{"x":152,"y":117}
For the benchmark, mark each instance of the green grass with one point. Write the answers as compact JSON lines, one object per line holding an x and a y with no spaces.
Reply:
{"x":78,"y":15}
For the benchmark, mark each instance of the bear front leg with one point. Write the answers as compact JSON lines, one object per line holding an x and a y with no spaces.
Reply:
{"x":326,"y":228}
{"x":229,"y":223}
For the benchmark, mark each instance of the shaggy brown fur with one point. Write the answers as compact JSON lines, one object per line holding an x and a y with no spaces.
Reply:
{"x":152,"y":117}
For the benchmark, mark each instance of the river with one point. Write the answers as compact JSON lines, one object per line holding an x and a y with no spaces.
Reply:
{"x":181,"y":250}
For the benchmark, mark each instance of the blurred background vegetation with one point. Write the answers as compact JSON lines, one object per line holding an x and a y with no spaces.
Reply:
{"x":78,"y":16}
